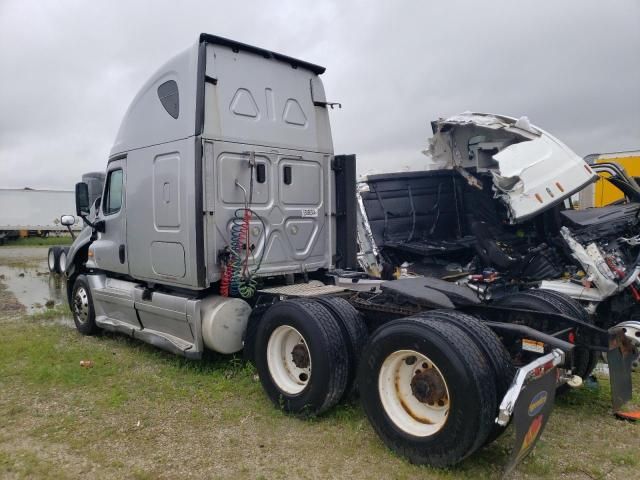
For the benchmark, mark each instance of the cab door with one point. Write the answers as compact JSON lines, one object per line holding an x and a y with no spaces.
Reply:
{"x":110,"y":249}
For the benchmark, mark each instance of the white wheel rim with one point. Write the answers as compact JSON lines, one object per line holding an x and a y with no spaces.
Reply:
{"x":63,"y":262}
{"x":289,"y":360}
{"x":52,"y":261}
{"x":81,"y":305}
{"x":414,"y":393}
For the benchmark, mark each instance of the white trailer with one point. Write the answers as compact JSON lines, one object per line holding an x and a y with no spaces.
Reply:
{"x":36,"y":211}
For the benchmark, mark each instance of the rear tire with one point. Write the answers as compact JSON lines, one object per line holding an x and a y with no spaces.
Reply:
{"x":301,"y":357}
{"x":584,"y":360}
{"x":492,"y":348}
{"x":52,"y":259}
{"x":354,"y":332}
{"x":84,"y":315}
{"x":62,"y":260}
{"x":413,"y":367}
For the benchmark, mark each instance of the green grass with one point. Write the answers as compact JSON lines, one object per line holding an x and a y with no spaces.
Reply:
{"x":50,"y":313}
{"x":24,"y":464}
{"x":144,"y":413}
{"x":65,"y":239}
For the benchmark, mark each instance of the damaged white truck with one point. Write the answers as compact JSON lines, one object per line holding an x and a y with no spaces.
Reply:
{"x":495,"y":212}
{"x":227,"y":223}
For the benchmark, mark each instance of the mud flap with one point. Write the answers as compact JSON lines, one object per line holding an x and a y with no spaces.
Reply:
{"x":530,"y":415}
{"x":620,"y":358}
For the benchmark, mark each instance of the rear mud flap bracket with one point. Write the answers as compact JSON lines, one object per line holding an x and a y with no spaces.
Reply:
{"x":528,"y":403}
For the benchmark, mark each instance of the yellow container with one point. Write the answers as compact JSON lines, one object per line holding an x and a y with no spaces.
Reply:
{"x":604,"y":192}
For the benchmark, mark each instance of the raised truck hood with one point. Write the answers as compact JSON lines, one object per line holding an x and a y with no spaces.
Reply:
{"x":531,"y":170}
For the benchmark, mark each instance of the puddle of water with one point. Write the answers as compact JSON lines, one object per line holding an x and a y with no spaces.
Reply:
{"x":64,"y":320}
{"x":34,"y":287}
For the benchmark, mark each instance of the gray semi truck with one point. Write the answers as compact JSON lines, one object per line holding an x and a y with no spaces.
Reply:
{"x":227,"y":223}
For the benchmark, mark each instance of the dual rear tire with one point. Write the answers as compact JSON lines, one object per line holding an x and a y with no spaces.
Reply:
{"x":57,"y":259}
{"x":429,"y":384}
{"x":306,"y":353}
{"x":584,"y":360}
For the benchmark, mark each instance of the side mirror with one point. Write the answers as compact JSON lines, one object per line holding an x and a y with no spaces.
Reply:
{"x":82,"y":199}
{"x":67,"y":220}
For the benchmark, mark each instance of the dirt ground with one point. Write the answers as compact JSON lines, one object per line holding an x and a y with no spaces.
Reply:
{"x":141,"y":413}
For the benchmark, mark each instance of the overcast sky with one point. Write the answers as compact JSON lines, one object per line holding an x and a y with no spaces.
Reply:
{"x":69,"y":69}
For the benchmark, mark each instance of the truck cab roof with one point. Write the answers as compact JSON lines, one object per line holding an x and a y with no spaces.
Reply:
{"x":171,"y":104}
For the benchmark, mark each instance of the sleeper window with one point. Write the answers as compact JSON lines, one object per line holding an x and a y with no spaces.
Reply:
{"x":169,"y":97}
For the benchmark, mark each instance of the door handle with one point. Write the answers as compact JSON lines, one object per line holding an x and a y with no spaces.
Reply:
{"x":121,"y":253}
{"x":287,"y":174}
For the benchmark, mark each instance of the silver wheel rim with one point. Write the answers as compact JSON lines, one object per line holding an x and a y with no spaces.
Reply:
{"x":414,"y":393}
{"x":52,"y":261}
{"x":289,"y":360}
{"x":81,"y":305}
{"x":62,"y":261}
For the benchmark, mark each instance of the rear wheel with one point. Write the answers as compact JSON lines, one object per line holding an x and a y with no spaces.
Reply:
{"x":414,"y":393}
{"x":584,"y":360}
{"x":62,"y":260}
{"x":354,"y":332}
{"x":492,"y":348}
{"x":301,"y":357}
{"x":428,"y":390}
{"x":52,"y":259}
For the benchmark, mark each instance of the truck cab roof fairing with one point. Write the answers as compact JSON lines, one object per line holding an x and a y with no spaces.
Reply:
{"x":147,"y":122}
{"x":207,"y":38}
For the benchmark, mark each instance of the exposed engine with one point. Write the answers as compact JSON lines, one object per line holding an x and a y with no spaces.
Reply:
{"x":591,"y":255}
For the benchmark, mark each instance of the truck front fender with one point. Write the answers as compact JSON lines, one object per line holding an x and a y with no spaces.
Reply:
{"x":77,"y":251}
